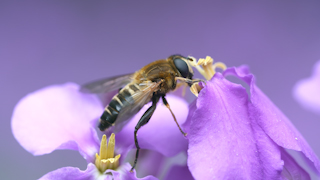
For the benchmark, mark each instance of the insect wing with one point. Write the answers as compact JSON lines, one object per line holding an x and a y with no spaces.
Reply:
{"x":107,"y":84}
{"x":139,"y":99}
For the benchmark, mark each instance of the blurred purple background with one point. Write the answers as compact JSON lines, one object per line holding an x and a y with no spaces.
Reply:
{"x":52,"y":42}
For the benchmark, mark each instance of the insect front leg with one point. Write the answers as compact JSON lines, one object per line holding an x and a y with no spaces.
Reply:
{"x":189,"y":81}
{"x":143,"y":120}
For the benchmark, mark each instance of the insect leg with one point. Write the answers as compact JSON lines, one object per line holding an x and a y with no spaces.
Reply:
{"x":174,"y":117}
{"x":189,"y":81}
{"x":144,"y":120}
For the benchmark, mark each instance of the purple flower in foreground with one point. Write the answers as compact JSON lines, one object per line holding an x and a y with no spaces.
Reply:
{"x":307,"y":90}
{"x":59,"y":117}
{"x":236,"y":136}
{"x":231,"y":135}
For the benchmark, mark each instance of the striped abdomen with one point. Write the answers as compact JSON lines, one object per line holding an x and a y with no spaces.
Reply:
{"x":120,"y":101}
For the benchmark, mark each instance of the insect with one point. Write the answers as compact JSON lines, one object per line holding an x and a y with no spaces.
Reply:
{"x":150,"y":83}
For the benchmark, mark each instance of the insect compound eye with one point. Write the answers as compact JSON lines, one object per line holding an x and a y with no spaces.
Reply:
{"x":182,"y":67}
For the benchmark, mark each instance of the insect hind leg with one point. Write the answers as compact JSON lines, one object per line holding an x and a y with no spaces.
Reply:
{"x":143,"y":120}
{"x":165,"y":102}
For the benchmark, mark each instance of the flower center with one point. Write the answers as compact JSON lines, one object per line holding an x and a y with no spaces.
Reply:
{"x":106,"y":159}
{"x":208,"y":70}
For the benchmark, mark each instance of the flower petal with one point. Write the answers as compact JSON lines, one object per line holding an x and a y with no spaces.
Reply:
{"x":291,"y":168}
{"x":147,"y":165}
{"x":72,"y":173}
{"x":307,"y":91}
{"x":161,"y":132}
{"x":92,"y":173}
{"x":125,"y":174}
{"x":192,"y":108}
{"x":223,"y":142}
{"x":276,"y":125}
{"x":57,"y":117}
{"x":179,"y":172}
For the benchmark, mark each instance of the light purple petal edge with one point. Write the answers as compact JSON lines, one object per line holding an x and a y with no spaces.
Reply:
{"x":57,"y":117}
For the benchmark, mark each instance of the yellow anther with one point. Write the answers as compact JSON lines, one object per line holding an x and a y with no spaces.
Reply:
{"x":111,"y":144}
{"x":195,"y":89}
{"x":207,"y":67}
{"x":208,"y":70}
{"x":205,"y":62}
{"x":193,"y":62}
{"x":103,"y":147}
{"x":106,"y":159}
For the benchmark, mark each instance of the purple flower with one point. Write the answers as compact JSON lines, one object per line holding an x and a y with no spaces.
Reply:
{"x":233,"y":135}
{"x":59,"y":117}
{"x":307,"y":90}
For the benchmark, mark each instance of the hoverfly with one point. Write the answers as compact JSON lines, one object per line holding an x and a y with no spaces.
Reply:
{"x":150,"y":83}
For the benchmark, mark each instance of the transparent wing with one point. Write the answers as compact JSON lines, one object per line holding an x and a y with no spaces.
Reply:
{"x":139,"y":99}
{"x":107,"y":84}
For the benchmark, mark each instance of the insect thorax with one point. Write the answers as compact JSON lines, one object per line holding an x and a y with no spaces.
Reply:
{"x":156,"y":71}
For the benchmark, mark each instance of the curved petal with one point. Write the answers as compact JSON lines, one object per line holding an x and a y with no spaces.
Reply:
{"x":276,"y":125}
{"x":179,"y":172}
{"x":57,"y":117}
{"x":192,"y":108}
{"x":161,"y":132}
{"x":306,"y":91}
{"x":147,"y":165}
{"x":125,"y":174}
{"x":72,"y":173}
{"x":223,"y":142}
{"x":92,"y":173}
{"x":291,"y":169}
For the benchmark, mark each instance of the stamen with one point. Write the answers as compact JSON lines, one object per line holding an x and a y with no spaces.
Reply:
{"x":103,"y":147}
{"x":111,"y":144}
{"x":219,"y":65}
{"x":195,"y":89}
{"x":106,"y":160}
{"x":208,"y":70}
{"x":207,"y":66}
{"x":195,"y":64}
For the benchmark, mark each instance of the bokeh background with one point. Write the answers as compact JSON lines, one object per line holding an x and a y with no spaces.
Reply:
{"x":52,"y":42}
